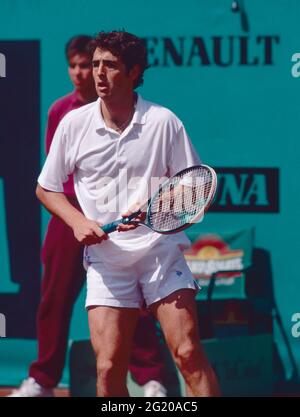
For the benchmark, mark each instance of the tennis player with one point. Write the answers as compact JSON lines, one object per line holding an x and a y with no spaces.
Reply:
{"x":115,"y":147}
{"x":63,"y":272}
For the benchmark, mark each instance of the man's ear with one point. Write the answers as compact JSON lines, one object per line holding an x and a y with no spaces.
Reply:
{"x":135,"y":72}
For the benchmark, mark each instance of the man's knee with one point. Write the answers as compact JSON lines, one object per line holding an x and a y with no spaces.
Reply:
{"x":108,"y":369}
{"x":189,"y":355}
{"x":105,"y":369}
{"x":111,"y":379}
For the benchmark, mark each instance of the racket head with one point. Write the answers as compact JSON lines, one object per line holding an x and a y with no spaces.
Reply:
{"x":182,"y":200}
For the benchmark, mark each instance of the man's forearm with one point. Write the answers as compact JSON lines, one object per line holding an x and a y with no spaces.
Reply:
{"x":58,"y":204}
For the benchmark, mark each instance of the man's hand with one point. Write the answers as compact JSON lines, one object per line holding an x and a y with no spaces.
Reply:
{"x":88,"y":232}
{"x":85,"y":231}
{"x":140,"y":217}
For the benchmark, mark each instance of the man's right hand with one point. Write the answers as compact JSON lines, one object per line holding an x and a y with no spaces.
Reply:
{"x":88,"y":232}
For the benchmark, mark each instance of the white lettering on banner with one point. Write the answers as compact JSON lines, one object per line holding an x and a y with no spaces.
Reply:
{"x":296,"y":67}
{"x":212,"y":266}
{"x":219,"y":282}
{"x":296,"y":327}
{"x":2,"y":66}
{"x":2,"y":325}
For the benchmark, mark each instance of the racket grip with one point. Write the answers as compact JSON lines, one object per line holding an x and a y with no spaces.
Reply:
{"x":112,"y":227}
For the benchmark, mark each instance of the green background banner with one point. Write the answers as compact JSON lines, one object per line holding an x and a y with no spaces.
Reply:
{"x":222,"y":257}
{"x":230,"y":78}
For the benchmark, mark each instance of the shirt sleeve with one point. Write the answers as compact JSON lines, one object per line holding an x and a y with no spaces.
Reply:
{"x":58,"y":165}
{"x":183,"y":154}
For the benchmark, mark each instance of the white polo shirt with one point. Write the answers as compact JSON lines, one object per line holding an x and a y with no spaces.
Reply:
{"x":112,"y":171}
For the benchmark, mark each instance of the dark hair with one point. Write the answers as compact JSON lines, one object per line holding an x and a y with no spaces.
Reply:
{"x":79,"y":44}
{"x":126,"y":46}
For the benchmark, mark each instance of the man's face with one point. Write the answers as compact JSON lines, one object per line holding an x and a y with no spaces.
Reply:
{"x":81,"y":72}
{"x":112,"y":80}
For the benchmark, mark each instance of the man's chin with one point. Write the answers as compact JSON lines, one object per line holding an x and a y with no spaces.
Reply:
{"x":103,"y":95}
{"x":102,"y":92}
{"x":79,"y":86}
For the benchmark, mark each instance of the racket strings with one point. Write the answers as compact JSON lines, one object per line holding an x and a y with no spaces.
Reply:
{"x":181,"y":199}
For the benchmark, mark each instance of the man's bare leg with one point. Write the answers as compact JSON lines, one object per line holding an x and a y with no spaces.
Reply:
{"x":111,"y":332}
{"x":177,"y":315}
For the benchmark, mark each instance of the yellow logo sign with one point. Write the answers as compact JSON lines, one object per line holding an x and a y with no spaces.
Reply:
{"x":211,"y":257}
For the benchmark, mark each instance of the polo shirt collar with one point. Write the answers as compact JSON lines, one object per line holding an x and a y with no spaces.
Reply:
{"x":139,"y":116}
{"x":98,"y":119}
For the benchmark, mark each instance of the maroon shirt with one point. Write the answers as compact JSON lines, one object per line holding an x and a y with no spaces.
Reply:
{"x":56,"y":112}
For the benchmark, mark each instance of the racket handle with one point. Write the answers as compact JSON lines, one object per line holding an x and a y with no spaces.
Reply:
{"x":112,"y":227}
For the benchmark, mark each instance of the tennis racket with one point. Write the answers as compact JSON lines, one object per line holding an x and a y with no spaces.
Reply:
{"x":178,"y":203}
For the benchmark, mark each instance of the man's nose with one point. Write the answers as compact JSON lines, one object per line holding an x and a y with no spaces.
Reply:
{"x":101,"y":70}
{"x":77,"y":70}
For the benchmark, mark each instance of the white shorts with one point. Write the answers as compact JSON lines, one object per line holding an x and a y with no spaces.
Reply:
{"x":154,"y":277}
